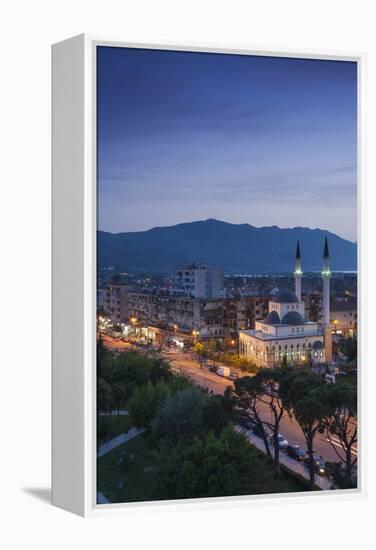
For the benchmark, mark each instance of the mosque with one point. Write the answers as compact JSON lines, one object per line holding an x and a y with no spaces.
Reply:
{"x":286,"y":332}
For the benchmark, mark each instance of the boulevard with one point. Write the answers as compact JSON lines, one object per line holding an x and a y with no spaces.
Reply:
{"x":187,"y":364}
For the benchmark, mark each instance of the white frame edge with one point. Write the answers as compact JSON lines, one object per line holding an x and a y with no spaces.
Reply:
{"x":74,"y":276}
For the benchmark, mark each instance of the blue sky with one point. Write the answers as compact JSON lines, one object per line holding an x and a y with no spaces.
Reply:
{"x":245,"y":139}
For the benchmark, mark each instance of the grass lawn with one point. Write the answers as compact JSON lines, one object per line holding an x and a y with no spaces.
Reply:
{"x":139,"y":478}
{"x":116,"y":425}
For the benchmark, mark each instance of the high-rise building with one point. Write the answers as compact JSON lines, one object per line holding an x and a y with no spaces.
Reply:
{"x":200,"y":281}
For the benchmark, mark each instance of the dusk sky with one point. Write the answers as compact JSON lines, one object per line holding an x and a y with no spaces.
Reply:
{"x":243,"y":139}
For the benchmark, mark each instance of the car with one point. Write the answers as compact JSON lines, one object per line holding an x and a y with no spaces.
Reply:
{"x":296,"y":452}
{"x":245,"y":423}
{"x":232,"y":376}
{"x":282,"y":441}
{"x":257,"y":430}
{"x":212,"y":368}
{"x":319,"y":463}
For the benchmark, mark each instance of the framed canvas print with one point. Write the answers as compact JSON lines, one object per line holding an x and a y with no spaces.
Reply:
{"x":206,"y":274}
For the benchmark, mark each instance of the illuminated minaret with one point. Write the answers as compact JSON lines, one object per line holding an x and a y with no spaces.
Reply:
{"x":326,"y":286}
{"x":298,"y":273}
{"x":327,"y":331}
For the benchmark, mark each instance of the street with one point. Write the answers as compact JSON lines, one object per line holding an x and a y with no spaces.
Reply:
{"x":186,"y":363}
{"x":114,"y":344}
{"x":183,"y":362}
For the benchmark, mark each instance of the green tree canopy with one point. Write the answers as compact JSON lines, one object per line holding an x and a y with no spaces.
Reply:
{"x":210,"y":466}
{"x":180,"y":415}
{"x":144,"y":403}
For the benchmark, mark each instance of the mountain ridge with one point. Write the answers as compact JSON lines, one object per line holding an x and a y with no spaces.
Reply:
{"x":238,"y":248}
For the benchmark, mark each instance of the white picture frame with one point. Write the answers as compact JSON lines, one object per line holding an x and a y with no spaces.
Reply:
{"x":74,"y":272}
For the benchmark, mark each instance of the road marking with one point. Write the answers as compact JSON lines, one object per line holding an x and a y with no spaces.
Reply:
{"x":353,"y":448}
{"x":336,"y":443}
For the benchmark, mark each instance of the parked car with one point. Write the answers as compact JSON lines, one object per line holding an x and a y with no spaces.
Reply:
{"x":296,"y":452}
{"x":320,"y":465}
{"x":212,"y":368}
{"x":245,"y":423}
{"x":257,"y":430}
{"x":282,"y":441}
{"x":233,"y":376}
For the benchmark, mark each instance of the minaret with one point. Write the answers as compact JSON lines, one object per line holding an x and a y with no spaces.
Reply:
{"x":326,"y":286}
{"x":327,"y":331}
{"x":298,"y":273}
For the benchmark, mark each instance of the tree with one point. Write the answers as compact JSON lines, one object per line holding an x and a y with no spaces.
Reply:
{"x":249,"y":391}
{"x":132,"y":369}
{"x":161,"y":370}
{"x":349,"y":348}
{"x":302,"y":396}
{"x":118,"y":394}
{"x":104,"y":359}
{"x":145,"y":401}
{"x":180,"y":415}
{"x":104,"y":395}
{"x":270,"y":379}
{"x":214,"y":415}
{"x":341,"y":423}
{"x":200,"y":352}
{"x":104,"y":402}
{"x":209,"y":466}
{"x":228,"y":400}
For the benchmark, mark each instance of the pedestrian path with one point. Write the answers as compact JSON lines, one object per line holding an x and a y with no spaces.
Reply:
{"x":321,"y":482}
{"x":118,"y":440}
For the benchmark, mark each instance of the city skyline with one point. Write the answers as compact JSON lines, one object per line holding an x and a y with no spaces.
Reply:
{"x":190,"y":136}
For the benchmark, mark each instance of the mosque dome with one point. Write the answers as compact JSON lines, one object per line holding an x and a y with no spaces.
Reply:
{"x":286,"y":297}
{"x":272,"y":318}
{"x":293,"y":318}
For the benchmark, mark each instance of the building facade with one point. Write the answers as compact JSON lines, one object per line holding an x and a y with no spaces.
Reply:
{"x":285,"y":332}
{"x":112,"y":300}
{"x":218,"y":318}
{"x":200,"y":281}
{"x":344,"y":317}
